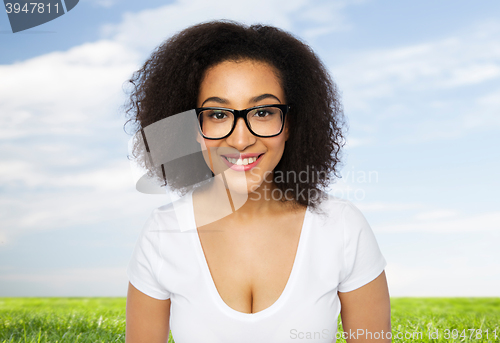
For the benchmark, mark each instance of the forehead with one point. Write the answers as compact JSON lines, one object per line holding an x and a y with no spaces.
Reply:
{"x":240,"y":81}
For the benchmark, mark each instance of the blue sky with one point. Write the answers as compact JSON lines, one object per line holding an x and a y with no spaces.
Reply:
{"x":421,"y":89}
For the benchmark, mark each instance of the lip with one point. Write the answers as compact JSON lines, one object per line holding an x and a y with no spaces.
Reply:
{"x":242,"y":156}
{"x":246,"y":155}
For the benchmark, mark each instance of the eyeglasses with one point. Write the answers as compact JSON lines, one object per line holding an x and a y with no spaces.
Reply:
{"x":261,"y":121}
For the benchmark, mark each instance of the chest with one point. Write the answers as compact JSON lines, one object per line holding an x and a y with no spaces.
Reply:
{"x":250,"y":265}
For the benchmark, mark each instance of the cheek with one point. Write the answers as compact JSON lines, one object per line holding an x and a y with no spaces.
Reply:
{"x":207,"y":148}
{"x":277,"y":144}
{"x":211,"y":150}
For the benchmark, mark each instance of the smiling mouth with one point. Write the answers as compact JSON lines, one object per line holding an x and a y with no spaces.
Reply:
{"x":242,"y":161}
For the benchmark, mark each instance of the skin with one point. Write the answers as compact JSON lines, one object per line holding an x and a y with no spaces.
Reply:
{"x":250,"y":251}
{"x":240,"y":85}
{"x":367,"y":308}
{"x":147,"y":319}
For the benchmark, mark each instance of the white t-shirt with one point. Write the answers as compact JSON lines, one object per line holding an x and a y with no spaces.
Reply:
{"x":337,"y":251}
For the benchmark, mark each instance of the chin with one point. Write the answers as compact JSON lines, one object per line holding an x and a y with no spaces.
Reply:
{"x":241,"y":187}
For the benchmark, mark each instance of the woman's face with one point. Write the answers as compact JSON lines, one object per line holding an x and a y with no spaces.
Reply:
{"x":241,"y":85}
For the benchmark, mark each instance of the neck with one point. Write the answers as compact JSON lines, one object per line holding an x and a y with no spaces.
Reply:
{"x":215,"y":202}
{"x":261,"y":200}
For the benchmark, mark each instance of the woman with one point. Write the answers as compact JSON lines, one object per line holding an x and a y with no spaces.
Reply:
{"x":254,"y":251}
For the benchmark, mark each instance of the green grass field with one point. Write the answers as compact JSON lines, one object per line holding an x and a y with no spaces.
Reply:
{"x":73,"y":320}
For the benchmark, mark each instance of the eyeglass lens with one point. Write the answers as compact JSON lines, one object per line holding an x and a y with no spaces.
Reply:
{"x":263,"y":121}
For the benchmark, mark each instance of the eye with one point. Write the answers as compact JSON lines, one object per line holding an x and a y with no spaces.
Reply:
{"x":264,"y":113}
{"x":218,"y":115}
{"x":261,"y":113}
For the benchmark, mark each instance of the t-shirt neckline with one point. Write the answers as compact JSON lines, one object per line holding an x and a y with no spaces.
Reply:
{"x":211,"y":284}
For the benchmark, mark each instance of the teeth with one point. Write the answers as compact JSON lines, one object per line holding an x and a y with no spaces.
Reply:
{"x":242,"y":162}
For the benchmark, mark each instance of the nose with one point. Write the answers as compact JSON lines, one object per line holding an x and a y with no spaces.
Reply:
{"x":241,"y":137}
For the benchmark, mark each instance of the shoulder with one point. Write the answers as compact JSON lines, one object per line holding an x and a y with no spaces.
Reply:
{"x":163,"y":213}
{"x":175,"y":216}
{"x":340,"y":218}
{"x":164,"y":235}
{"x":335,"y":208}
{"x":160,"y":219}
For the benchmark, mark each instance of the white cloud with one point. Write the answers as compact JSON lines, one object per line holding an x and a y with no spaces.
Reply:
{"x":66,"y":275}
{"x":3,"y":239}
{"x":69,"y":209}
{"x":104,"y":3}
{"x":59,"y":125}
{"x":421,"y":90}
{"x":380,"y":206}
{"x":64,"y":93}
{"x":447,"y":63}
{"x":115,"y":176}
{"x":450,"y":280}
{"x":104,"y":281}
{"x":434,"y":215}
{"x":445,"y":221}
{"x":486,"y":113}
{"x":352,"y":142}
{"x":148,"y":28}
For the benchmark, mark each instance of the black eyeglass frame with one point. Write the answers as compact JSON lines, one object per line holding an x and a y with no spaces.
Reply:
{"x":243,"y":114}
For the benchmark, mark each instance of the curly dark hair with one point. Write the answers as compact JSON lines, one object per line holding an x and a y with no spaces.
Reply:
{"x":169,"y":82}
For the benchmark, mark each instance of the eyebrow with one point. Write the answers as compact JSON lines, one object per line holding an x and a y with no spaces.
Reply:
{"x":254,"y":100}
{"x":265,"y":96}
{"x":215,"y":99}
